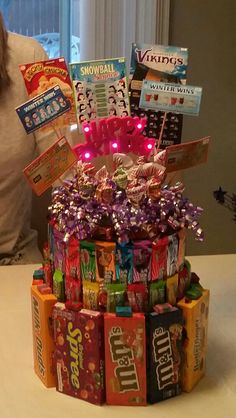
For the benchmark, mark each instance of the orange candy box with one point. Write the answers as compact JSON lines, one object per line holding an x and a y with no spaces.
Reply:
{"x":43,"y":345}
{"x":125,"y":359}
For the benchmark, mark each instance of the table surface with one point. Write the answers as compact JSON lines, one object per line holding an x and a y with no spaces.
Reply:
{"x":22,"y":395}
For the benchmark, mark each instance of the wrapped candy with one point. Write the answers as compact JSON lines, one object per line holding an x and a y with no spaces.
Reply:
{"x":123,"y":160}
{"x":135,"y":191}
{"x":87,"y":187}
{"x":133,"y":202}
{"x":148,"y":170}
{"x":105,"y":187}
{"x":153,"y":188}
{"x":120,"y":177}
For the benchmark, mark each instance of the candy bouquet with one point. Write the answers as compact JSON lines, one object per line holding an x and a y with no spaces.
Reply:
{"x":118,"y":315}
{"x":123,"y":292}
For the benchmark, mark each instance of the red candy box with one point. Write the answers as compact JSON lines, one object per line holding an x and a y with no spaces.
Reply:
{"x":79,"y":353}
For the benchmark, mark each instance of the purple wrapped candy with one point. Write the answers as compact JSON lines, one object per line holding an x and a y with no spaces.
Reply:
{"x":82,"y":203}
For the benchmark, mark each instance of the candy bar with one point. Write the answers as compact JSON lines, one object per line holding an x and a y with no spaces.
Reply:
{"x":159,"y":259}
{"x":141,"y":261}
{"x":87,"y":260}
{"x":105,"y":261}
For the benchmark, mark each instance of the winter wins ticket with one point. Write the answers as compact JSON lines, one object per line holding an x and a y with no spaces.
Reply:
{"x":43,"y":109}
{"x":170,"y":97}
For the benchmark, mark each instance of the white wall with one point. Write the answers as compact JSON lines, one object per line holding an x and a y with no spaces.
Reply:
{"x":208,"y":29}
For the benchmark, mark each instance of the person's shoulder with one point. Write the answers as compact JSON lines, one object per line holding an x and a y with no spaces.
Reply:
{"x":25,"y":41}
{"x":27,"y":46}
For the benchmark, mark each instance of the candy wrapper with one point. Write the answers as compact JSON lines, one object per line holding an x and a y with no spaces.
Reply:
{"x":59,"y":285}
{"x":59,"y":250}
{"x":156,"y":293}
{"x":47,"y":268}
{"x":72,"y":271}
{"x":182,"y":245}
{"x":137,"y":297}
{"x":88,"y":260}
{"x":142,"y":261}
{"x":184,"y":278}
{"x":120,"y":177}
{"x":105,"y":261}
{"x":116,"y":294}
{"x":90,"y":295}
{"x":124,"y":262}
{"x":172,"y":255}
{"x":159,"y":259}
{"x":105,"y":187}
{"x":136,"y":191}
{"x":172,"y":289}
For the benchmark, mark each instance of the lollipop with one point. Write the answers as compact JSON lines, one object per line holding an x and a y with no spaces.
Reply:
{"x":148,"y":170}
{"x":135,"y":191}
{"x":122,"y":160}
{"x":120,"y":177}
{"x":87,"y":187}
{"x":153,"y":188}
{"x":160,"y":157}
{"x":105,"y":192}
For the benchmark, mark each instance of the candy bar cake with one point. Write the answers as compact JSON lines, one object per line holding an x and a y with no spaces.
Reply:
{"x":126,"y":303}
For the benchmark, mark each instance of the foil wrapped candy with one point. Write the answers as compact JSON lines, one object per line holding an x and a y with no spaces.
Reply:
{"x":134,"y":200}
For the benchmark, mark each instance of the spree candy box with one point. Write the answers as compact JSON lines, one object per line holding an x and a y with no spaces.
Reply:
{"x":125,"y":354}
{"x":79,"y":353}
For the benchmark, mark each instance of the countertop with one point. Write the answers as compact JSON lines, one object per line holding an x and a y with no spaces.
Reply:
{"x":22,"y":395}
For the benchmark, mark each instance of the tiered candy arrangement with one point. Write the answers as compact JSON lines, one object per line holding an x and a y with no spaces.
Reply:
{"x":118,"y":316}
{"x":129,"y":317}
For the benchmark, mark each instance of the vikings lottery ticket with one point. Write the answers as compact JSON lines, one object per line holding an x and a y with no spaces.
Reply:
{"x":157,"y":63}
